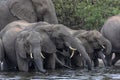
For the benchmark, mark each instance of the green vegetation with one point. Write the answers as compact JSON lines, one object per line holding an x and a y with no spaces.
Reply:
{"x":85,"y":14}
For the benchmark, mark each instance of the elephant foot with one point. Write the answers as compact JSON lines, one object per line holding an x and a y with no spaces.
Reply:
{"x":114,"y":61}
{"x":108,"y":67}
{"x":43,"y":71}
{"x":89,"y":68}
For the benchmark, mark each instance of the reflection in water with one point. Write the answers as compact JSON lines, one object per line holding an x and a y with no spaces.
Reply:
{"x":96,"y":74}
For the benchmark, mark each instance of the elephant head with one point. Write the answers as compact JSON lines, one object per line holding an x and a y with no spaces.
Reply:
{"x":28,"y":47}
{"x":61,"y":37}
{"x":33,"y":10}
{"x":96,"y":41}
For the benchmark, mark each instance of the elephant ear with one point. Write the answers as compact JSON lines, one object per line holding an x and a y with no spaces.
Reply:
{"x":46,"y":44}
{"x":22,"y":64}
{"x":20,"y":46}
{"x":20,"y":52}
{"x":88,"y":35}
{"x":23,"y":9}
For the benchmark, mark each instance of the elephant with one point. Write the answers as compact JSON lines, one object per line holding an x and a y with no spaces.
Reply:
{"x":7,"y":30}
{"x":57,"y":33}
{"x":60,"y":36}
{"x":95,"y":44}
{"x":27,"y":46}
{"x":111,"y":30}
{"x":29,"y":10}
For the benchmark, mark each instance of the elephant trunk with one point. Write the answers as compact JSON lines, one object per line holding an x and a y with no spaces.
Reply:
{"x":75,"y":43}
{"x":107,"y":45}
{"x":61,"y":63}
{"x":85,"y":56}
{"x":38,"y":60}
{"x":101,"y":56}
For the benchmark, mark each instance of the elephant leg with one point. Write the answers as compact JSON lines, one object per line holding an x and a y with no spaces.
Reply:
{"x":109,"y":59}
{"x":78,"y":60}
{"x":62,"y":59}
{"x":67,"y":61}
{"x":116,"y":58}
{"x":3,"y":65}
{"x":8,"y":65}
{"x":96,"y":62}
{"x":51,"y":61}
{"x":101,"y":56}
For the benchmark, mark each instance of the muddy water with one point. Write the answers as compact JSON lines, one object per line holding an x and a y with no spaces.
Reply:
{"x":99,"y":73}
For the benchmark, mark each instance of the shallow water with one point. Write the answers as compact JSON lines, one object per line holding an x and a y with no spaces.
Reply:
{"x":78,"y":74}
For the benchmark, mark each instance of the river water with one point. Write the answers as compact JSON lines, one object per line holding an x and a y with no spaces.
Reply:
{"x":99,"y":73}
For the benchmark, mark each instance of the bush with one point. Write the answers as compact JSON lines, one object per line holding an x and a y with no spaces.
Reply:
{"x":85,"y":14}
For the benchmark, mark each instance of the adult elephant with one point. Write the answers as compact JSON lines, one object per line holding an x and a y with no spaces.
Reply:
{"x":57,"y":33}
{"x":29,"y":10}
{"x":111,"y":30}
{"x":60,"y":35}
{"x":95,"y":44}
{"x":27,"y":46}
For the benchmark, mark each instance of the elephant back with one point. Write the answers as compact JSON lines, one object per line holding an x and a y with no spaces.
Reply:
{"x":21,"y":24}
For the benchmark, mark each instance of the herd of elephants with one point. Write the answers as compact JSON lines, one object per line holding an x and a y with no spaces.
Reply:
{"x":32,"y":40}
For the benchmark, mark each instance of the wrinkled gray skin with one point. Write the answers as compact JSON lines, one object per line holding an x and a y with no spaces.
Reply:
{"x":28,"y":41}
{"x":8,"y":39}
{"x":29,"y":10}
{"x":93,"y":42}
{"x":111,"y":30}
{"x":60,"y":36}
{"x":8,"y":36}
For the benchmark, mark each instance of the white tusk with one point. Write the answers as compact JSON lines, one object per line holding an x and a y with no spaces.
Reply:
{"x":72,"y":48}
{"x":73,"y":52}
{"x":31,"y":55}
{"x":103,"y":46}
{"x":42,"y":56}
{"x":80,"y":54}
{"x":1,"y":65}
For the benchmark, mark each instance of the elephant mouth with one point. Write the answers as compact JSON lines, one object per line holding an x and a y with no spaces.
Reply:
{"x":101,"y":47}
{"x":31,"y":55}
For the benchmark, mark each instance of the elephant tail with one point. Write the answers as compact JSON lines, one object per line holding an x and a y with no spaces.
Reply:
{"x":62,"y":63}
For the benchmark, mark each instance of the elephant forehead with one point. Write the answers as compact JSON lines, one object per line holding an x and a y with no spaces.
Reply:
{"x":34,"y":37}
{"x":95,"y":34}
{"x":16,"y":29}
